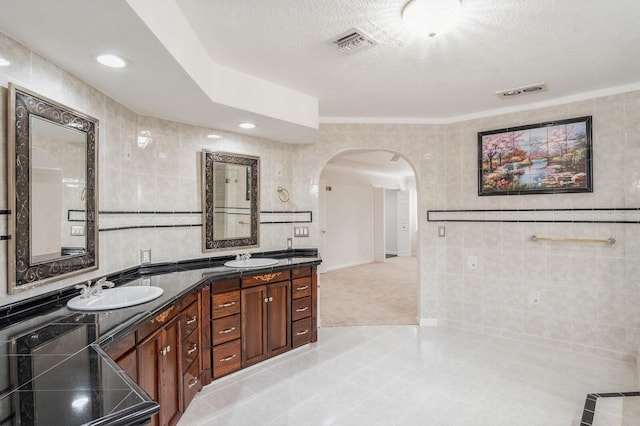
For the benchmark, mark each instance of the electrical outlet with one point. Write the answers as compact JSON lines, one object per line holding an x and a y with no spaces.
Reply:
{"x":289,"y":243}
{"x":145,"y":256}
{"x":441,"y":231}
{"x":145,"y":281}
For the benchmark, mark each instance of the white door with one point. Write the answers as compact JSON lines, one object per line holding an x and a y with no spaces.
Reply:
{"x":404,"y":224}
{"x":379,"y":251}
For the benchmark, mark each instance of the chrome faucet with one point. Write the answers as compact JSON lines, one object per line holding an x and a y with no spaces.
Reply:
{"x":87,"y":291}
{"x":243,"y":256}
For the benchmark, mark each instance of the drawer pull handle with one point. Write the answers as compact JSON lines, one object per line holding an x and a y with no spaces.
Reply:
{"x":228,"y":330}
{"x":226,"y":305}
{"x":193,"y":383}
{"x":302,"y":309}
{"x":302,"y":288}
{"x":192,"y":320}
{"x":229,"y":358}
{"x":301,"y":333}
{"x":192,"y":349}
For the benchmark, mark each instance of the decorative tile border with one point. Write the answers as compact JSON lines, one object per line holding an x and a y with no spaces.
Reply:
{"x":597,"y":215}
{"x":267,"y":217}
{"x":117,"y":220}
{"x":588,"y":414}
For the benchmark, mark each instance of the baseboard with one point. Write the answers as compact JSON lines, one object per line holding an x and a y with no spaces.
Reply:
{"x":428,"y":322}
{"x":348,"y":265}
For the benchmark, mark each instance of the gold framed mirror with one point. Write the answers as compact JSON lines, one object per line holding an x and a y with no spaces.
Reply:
{"x":230,"y":205}
{"x":53,"y":200}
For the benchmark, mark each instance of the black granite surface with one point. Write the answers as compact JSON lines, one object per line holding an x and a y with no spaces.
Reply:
{"x":53,"y":369}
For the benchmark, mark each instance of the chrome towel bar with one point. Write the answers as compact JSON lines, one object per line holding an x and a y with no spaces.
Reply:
{"x":573,"y":240}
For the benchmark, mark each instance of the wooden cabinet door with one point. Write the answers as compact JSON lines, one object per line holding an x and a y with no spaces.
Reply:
{"x":171,"y":379}
{"x":159,"y":371}
{"x":254,"y":324}
{"x":148,"y":352}
{"x":279,"y":322}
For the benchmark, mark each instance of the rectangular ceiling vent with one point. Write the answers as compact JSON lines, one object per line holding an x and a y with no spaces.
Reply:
{"x":523,"y":90}
{"x":353,"y":40}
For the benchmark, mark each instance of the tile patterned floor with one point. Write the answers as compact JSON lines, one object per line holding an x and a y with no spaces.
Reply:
{"x":408,"y":375}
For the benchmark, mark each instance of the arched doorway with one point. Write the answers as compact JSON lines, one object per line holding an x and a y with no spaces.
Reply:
{"x":367,"y":198}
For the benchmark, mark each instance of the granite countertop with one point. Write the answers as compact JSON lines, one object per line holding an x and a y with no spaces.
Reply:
{"x":53,"y":369}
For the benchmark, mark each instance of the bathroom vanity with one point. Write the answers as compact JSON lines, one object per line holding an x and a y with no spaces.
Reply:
{"x":147,"y":362}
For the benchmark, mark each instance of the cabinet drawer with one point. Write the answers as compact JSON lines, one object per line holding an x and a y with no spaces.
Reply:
{"x":301,"y":308}
{"x":223,"y":286}
{"x":301,"y":272}
{"x":301,"y":288}
{"x":224,"y":304}
{"x":158,"y":321}
{"x":301,"y":331}
{"x":190,"y":349}
{"x":270,"y":277}
{"x":226,"y":358}
{"x":226,"y":329}
{"x":190,"y":319}
{"x":192,"y":383}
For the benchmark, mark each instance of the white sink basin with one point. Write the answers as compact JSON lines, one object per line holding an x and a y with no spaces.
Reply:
{"x":114,"y":298}
{"x":251,"y":263}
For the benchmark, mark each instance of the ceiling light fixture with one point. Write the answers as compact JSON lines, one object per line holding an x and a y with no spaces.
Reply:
{"x":430,"y":17}
{"x":111,"y":61}
{"x":214,"y":136}
{"x":247,"y":125}
{"x":395,"y":158}
{"x":4,"y":62}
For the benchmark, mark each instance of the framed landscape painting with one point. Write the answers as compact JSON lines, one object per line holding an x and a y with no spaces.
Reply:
{"x":544,"y":158}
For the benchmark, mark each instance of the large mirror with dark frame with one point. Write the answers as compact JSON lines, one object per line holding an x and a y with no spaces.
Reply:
{"x":230,"y":213}
{"x":53,"y":200}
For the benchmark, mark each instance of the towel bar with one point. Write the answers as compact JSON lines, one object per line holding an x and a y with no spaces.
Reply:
{"x":573,"y":240}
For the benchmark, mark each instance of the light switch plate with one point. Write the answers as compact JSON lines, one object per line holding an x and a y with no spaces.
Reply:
{"x":145,"y":256}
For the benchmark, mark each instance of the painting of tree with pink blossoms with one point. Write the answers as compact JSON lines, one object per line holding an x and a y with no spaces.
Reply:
{"x":543,"y":158}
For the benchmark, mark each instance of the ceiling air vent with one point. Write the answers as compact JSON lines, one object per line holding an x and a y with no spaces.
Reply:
{"x":523,"y":90}
{"x":353,"y":40}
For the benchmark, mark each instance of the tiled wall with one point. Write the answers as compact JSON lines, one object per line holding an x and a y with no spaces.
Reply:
{"x":164,"y":176}
{"x":590,"y":294}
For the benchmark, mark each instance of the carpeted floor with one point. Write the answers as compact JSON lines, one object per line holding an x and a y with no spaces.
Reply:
{"x":371,"y":294}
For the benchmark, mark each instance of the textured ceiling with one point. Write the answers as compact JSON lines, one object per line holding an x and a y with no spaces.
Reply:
{"x":578,"y":47}
{"x":575,"y":46}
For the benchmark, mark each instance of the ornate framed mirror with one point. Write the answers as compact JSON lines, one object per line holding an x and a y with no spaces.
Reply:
{"x":230,"y":205}
{"x":53,"y":197}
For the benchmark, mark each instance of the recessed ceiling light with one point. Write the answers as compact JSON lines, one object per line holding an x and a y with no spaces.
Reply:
{"x":4,"y":62}
{"x":214,"y":136}
{"x":111,"y":61}
{"x":247,"y":125}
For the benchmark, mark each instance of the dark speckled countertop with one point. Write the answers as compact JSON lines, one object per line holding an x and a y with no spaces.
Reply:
{"x":52,"y":367}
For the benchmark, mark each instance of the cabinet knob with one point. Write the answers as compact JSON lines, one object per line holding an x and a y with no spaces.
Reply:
{"x":228,"y":330}
{"x":226,"y":305}
{"x":271,"y":299}
{"x":192,"y":349}
{"x":300,"y":333}
{"x":192,"y":320}
{"x":302,"y":288}
{"x":193,"y":383}
{"x":302,"y":309}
